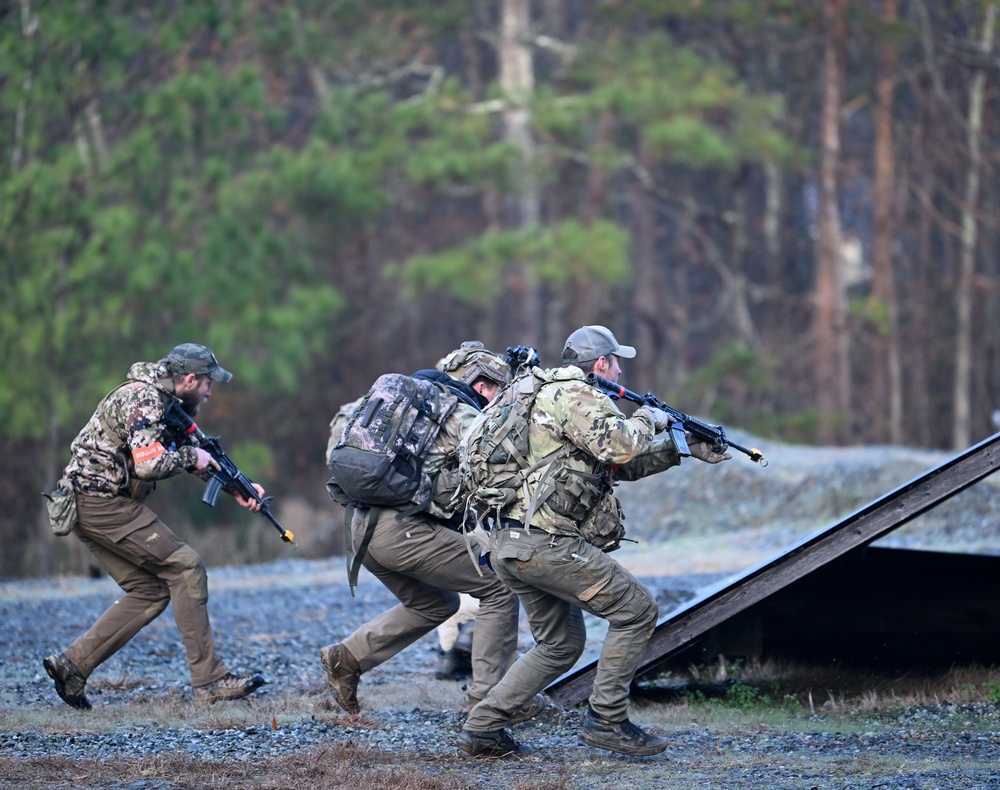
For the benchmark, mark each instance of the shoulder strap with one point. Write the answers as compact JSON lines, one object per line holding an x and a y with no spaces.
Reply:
{"x":113,"y":435}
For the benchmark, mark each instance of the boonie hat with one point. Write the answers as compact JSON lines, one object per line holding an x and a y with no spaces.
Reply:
{"x":197,"y":359}
{"x":472,"y":360}
{"x":591,"y":342}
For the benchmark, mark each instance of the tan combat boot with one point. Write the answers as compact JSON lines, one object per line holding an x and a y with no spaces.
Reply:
{"x":70,"y":684}
{"x":342,"y":676}
{"x":228,"y":687}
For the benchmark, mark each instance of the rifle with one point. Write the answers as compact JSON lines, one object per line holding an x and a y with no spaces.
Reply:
{"x":228,"y":475}
{"x":680,"y":423}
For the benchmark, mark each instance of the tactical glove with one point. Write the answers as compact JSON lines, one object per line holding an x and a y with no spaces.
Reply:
{"x":703,"y":451}
{"x":661,"y":420}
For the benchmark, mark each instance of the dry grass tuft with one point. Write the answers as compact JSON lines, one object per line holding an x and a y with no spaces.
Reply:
{"x":339,"y":765}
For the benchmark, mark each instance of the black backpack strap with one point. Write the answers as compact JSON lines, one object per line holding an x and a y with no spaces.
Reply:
{"x":354,"y":562}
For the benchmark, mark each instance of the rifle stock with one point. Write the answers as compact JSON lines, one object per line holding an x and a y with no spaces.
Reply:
{"x":680,"y":423}
{"x":227,"y":476}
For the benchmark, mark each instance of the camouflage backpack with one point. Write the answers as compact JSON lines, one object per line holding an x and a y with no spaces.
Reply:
{"x":378,"y":461}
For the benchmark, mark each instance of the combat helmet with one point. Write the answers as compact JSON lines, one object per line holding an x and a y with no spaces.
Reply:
{"x":473,"y":360}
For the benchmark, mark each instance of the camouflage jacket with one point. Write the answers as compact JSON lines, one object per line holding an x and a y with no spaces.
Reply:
{"x":442,"y":463}
{"x":151,"y":451}
{"x":339,"y":423}
{"x":597,"y":442}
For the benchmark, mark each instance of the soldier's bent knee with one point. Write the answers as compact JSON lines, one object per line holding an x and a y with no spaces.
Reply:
{"x":192,"y":569}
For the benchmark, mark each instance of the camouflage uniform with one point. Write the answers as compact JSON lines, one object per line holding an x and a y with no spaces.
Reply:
{"x":555,"y":572}
{"x":124,"y":447}
{"x":426,"y":565}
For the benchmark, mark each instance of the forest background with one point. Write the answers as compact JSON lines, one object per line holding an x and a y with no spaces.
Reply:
{"x":790,"y":209}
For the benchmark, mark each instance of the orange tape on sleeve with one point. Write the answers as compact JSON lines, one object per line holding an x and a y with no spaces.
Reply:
{"x":150,"y":453}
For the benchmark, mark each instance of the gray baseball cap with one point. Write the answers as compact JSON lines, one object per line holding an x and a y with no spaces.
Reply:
{"x":591,"y":342}
{"x":197,"y":359}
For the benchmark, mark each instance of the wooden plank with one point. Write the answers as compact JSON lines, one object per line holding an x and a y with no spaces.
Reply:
{"x":858,"y":529}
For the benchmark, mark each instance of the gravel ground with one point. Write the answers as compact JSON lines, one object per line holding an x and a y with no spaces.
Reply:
{"x":272,"y":618}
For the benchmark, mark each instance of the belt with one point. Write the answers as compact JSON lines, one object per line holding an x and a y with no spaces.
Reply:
{"x":507,"y":523}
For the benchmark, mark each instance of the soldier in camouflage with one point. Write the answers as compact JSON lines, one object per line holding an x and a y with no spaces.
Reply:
{"x":115,"y":461}
{"x":425,"y":562}
{"x":540,"y":549}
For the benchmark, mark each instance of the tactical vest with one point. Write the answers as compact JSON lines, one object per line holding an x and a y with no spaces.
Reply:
{"x":496,"y":461}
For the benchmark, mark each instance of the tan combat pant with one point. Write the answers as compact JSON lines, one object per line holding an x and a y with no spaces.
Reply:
{"x":155,"y":568}
{"x":555,"y":578}
{"x":426,"y":566}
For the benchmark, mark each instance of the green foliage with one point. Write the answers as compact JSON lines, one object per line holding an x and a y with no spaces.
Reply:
{"x":686,"y":109}
{"x":155,"y":219}
{"x":557,"y":254}
{"x":744,"y":389}
{"x":741,"y":696}
{"x":874,"y":311}
{"x":255,"y":459}
{"x":742,"y":382}
{"x":744,"y":697}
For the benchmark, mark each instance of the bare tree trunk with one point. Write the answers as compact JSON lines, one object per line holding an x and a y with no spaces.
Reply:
{"x":773,"y":201}
{"x":40,"y":552}
{"x":647,"y":289}
{"x":517,"y":84}
{"x":831,"y":358}
{"x":918,"y":337}
{"x":962,"y":428}
{"x":887,"y":371}
{"x":741,"y":317}
{"x":29,"y":27}
{"x":320,"y":84}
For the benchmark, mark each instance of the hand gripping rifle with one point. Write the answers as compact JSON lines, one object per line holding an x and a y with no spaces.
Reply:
{"x":680,"y":423}
{"x":227,"y":476}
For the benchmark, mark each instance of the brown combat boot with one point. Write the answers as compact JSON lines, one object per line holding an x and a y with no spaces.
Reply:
{"x":487,"y":744}
{"x":620,"y":736}
{"x":70,"y":684}
{"x":342,"y":676}
{"x":228,"y":687}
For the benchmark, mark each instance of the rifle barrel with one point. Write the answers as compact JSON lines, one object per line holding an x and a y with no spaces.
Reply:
{"x":616,"y":390}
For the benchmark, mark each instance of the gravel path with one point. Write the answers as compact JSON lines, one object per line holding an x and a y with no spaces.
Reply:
{"x":272,"y":618}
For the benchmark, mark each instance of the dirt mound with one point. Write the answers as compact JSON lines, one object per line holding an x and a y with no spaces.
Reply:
{"x":732,"y":515}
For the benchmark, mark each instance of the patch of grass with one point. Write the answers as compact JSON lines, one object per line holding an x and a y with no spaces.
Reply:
{"x":781,"y":694}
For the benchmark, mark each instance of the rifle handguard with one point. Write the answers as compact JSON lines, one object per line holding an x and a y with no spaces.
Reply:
{"x":697,"y":428}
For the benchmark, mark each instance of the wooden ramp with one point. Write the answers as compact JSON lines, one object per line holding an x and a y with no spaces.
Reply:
{"x":716,"y":605}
